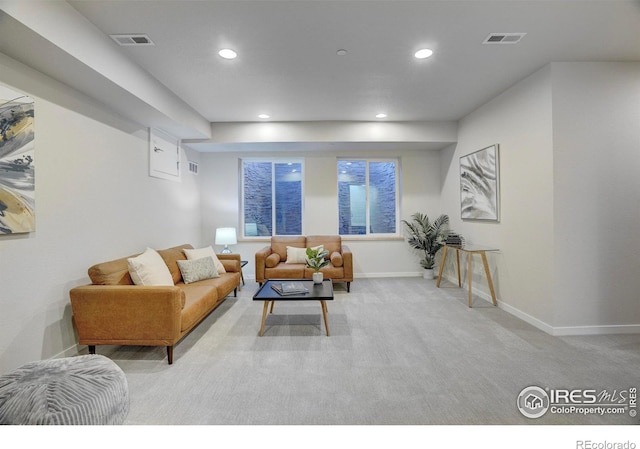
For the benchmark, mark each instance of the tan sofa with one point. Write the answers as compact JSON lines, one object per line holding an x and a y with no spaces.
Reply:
{"x":114,"y":311}
{"x":271,"y":261}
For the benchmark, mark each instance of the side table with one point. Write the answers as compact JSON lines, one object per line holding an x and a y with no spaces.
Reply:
{"x":242,"y":264}
{"x":470,"y":250}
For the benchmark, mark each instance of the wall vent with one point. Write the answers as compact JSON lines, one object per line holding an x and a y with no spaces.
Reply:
{"x":131,"y":39}
{"x":193,"y":167}
{"x":504,"y":38}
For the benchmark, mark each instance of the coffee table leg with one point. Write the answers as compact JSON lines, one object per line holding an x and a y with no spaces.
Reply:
{"x":324,"y":314}
{"x":264,"y":317}
{"x":272,"y":304}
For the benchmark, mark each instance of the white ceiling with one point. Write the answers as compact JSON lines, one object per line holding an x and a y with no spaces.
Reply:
{"x":288,"y":66}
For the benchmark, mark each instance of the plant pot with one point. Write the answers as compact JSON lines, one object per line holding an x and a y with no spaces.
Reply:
{"x":318,"y":278}
{"x":429,"y":273}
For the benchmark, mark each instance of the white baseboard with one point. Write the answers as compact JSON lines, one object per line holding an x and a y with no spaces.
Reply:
{"x":535,"y":322}
{"x":71,"y":352}
{"x":408,"y":274}
{"x":558,"y":331}
{"x":563,"y":331}
{"x":597,"y":330}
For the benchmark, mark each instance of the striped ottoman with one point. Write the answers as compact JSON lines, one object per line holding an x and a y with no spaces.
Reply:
{"x":87,"y":389}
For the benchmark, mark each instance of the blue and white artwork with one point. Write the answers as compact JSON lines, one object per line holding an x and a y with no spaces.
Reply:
{"x":17,"y":163}
{"x":479,"y":184}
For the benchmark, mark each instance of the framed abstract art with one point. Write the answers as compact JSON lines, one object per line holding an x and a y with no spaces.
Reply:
{"x":480,"y":185}
{"x":17,"y":163}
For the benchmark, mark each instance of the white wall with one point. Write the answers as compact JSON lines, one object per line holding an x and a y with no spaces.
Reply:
{"x":519,"y":121}
{"x":390,"y":257}
{"x":94,"y":202}
{"x":570,"y":197}
{"x":596,"y":116}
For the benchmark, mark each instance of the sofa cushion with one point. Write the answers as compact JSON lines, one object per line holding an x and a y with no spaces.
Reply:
{"x":285,"y":271}
{"x":197,"y":269}
{"x":204,"y":252}
{"x":279,"y":244}
{"x":329,"y":272}
{"x":332,"y":243}
{"x":200,"y":298}
{"x":272,"y":260}
{"x":171,"y":257}
{"x":226,"y":284}
{"x":149,"y":269}
{"x":113,"y":272}
{"x":336,"y":259}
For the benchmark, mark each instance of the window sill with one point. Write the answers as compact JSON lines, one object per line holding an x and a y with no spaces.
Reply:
{"x":370,"y":238}
{"x":345,"y":238}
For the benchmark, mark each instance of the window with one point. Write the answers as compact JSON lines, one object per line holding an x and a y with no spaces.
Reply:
{"x":272,"y":197}
{"x":367,"y":196}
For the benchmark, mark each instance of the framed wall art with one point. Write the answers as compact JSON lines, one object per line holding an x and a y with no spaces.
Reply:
{"x":17,"y":163}
{"x":480,"y":185}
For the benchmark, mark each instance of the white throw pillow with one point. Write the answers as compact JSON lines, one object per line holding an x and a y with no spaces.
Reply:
{"x":299,"y":255}
{"x":199,"y":253}
{"x":149,"y":269}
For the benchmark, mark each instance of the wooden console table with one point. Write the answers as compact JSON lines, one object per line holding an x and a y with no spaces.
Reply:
{"x":470,"y":250}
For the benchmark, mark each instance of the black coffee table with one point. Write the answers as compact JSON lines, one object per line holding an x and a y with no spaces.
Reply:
{"x":317,"y":292}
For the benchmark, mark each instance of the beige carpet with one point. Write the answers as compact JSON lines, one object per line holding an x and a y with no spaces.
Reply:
{"x":401,"y":351}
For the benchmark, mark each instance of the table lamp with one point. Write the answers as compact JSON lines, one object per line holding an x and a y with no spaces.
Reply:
{"x":226,"y":237}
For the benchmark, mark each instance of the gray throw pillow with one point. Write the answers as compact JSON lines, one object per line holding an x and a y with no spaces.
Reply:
{"x":197,"y":269}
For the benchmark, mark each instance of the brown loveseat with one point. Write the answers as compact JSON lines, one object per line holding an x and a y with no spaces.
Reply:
{"x":114,"y":311}
{"x":271,"y":261}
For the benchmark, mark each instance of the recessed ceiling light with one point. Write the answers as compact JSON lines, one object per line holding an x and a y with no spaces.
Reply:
{"x":381,"y":115}
{"x":423,"y":53}
{"x":227,"y":53}
{"x":341,"y":52}
{"x":264,"y":116}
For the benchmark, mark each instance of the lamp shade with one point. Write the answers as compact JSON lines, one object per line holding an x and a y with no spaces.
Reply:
{"x":226,"y":236}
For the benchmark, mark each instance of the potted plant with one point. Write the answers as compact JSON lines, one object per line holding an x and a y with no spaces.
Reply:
{"x":427,"y":237}
{"x":316,"y":259}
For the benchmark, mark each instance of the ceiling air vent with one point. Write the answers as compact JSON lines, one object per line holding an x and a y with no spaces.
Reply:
{"x":504,"y":38}
{"x":131,"y":39}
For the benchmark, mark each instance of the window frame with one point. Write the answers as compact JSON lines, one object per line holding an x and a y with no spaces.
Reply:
{"x":273,"y":161}
{"x":398,"y":173}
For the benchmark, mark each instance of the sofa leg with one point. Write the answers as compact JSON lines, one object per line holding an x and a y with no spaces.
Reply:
{"x":92,"y":349}
{"x":348,"y":287}
{"x":170,"y":354}
{"x":235,"y":292}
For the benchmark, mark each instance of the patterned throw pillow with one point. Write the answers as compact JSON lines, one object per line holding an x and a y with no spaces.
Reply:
{"x":197,"y":269}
